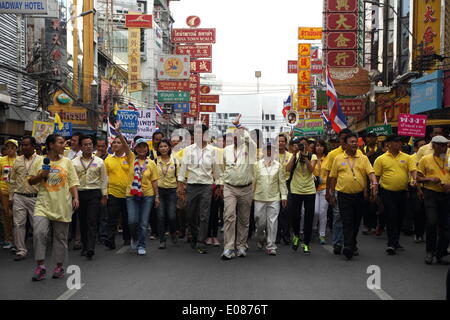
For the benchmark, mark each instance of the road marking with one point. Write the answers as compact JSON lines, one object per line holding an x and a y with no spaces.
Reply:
{"x":69,"y":293}
{"x":122,"y":250}
{"x":383,"y":295}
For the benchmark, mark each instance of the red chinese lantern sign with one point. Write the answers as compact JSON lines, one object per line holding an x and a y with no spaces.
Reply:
{"x":342,"y":40}
{"x":343,"y":58}
{"x":193,"y":21}
{"x":209,"y":99}
{"x":205,"y":89}
{"x":342,"y":21}
{"x":195,"y":51}
{"x":201,"y":66}
{"x":194,"y":90}
{"x":342,"y":5}
{"x":207,"y":108}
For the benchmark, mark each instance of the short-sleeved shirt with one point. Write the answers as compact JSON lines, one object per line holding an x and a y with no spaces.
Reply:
{"x":322,"y":172}
{"x":284,"y":160}
{"x":394,"y":171}
{"x":149,"y":174}
{"x":167,"y":172}
{"x":348,"y":180}
{"x":54,"y":199}
{"x":303,"y":179}
{"x":431,"y":166}
{"x":118,"y":170}
{"x":6,"y":165}
{"x":333,"y":154}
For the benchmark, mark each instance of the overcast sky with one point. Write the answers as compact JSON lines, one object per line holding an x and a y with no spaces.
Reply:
{"x":252,"y":35}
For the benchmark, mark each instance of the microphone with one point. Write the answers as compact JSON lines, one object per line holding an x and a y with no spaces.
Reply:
{"x":46,"y":165}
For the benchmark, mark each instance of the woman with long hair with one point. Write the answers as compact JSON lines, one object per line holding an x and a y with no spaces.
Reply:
{"x":141,"y":195}
{"x":57,"y":180}
{"x":167,"y":166}
{"x":321,"y":206}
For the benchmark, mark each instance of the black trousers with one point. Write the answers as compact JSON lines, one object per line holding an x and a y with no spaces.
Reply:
{"x":117,"y":208}
{"x":284,"y":224}
{"x":295,"y":202}
{"x":437,"y":208}
{"x":394,"y":203}
{"x":351,"y":214}
{"x":89,"y":212}
{"x":216,"y":207}
{"x":417,"y":208}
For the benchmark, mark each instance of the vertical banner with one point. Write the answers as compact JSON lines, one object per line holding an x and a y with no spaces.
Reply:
{"x":194,"y":90}
{"x":134,"y":60}
{"x":304,"y":76}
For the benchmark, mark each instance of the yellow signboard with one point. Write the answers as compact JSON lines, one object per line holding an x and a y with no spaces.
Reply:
{"x":76,"y":115}
{"x":307,"y":33}
{"x":134,"y":60}
{"x":304,"y":50}
{"x":427,"y":26}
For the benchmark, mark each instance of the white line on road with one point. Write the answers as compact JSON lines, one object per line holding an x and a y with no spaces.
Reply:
{"x":383,"y":295}
{"x":122,"y":250}
{"x":69,"y":293}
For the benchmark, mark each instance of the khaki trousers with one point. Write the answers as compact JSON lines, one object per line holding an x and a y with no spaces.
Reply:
{"x":7,"y":217}
{"x":60,"y":233}
{"x":266,"y":218}
{"x":23,"y":207}
{"x":236,"y":216}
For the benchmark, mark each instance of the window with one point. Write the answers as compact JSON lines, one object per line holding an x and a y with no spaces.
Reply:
{"x":219,"y":115}
{"x":225,"y":116}
{"x":272,"y":117}
{"x":267,"y":117}
{"x":272,"y":128}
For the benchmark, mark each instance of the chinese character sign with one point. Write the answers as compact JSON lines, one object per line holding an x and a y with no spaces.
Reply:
{"x":412,"y":125}
{"x":134,"y":60}
{"x":173,"y":67}
{"x":304,"y":76}
{"x":427,"y":25}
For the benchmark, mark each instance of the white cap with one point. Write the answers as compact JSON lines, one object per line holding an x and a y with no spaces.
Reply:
{"x":440,"y":139}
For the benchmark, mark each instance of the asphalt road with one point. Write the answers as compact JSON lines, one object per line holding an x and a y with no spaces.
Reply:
{"x":180,"y":273}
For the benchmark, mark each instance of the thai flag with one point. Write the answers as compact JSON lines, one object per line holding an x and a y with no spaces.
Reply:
{"x":336,"y":116}
{"x":287,"y":105}
{"x":159,"y":110}
{"x":131,"y":106}
{"x":112,"y":134}
{"x":325,"y":118}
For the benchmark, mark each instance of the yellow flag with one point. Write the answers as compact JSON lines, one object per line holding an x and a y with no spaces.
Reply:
{"x":116,"y":109}
{"x":58,"y":121}
{"x":411,"y":142}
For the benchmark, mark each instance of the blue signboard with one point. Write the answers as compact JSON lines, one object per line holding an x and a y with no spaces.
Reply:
{"x":181,"y":107}
{"x":426,"y":93}
{"x":66,"y":131}
{"x":129,"y":120}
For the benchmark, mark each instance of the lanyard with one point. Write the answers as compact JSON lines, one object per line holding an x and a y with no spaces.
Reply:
{"x":27,"y":170}
{"x":265,"y":167}
{"x":237,"y":155}
{"x":351,"y":165}
{"x":444,"y":172}
{"x":86,"y":168}
{"x":162,"y":168}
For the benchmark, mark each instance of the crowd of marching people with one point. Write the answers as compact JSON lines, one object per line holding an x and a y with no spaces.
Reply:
{"x":292,"y":190}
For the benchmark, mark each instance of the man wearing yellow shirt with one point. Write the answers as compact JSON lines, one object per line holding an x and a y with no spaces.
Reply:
{"x":284,"y":219}
{"x":393,"y":169}
{"x":433,"y":172}
{"x":348,"y":177}
{"x":269,"y":189}
{"x":118,"y":166}
{"x":428,"y":148}
{"x":6,"y":165}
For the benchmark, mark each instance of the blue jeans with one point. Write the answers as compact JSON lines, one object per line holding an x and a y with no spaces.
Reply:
{"x":167,"y":212}
{"x":139,"y":209}
{"x":338,"y":229}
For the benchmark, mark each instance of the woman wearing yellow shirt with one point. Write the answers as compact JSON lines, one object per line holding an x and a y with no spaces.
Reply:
{"x":321,"y":206}
{"x":167,"y":166}
{"x":118,"y":167}
{"x":141,"y":194}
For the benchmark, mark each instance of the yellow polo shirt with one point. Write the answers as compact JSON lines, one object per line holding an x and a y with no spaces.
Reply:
{"x":431,"y":166}
{"x":118,"y":170}
{"x":168,"y":173}
{"x":426,"y":150}
{"x":322,"y":172}
{"x":284,"y":160}
{"x":303,"y":180}
{"x":150,"y":174}
{"x":6,"y":165}
{"x":346,"y":181}
{"x":333,"y":154}
{"x":394,"y":171}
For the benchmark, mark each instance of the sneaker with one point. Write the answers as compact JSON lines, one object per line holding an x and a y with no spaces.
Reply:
{"x":7,"y":245}
{"x":390,"y":251}
{"x":209,"y":241}
{"x":39,"y":273}
{"x":58,"y":272}
{"x":306,"y":250}
{"x":19,"y":257}
{"x":260,"y":245}
{"x":272,"y":252}
{"x":162,"y":245}
{"x":337,"y":250}
{"x":241,"y":253}
{"x":133,"y":245}
{"x":152,"y":237}
{"x":295,"y":242}
{"x":201,"y":250}
{"x":216,"y":242}
{"x":228,"y":254}
{"x":322,"y":240}
{"x":141,"y":251}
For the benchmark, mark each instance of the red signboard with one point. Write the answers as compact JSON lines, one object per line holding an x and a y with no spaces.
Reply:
{"x":193,"y":36}
{"x":164,"y":85}
{"x":342,"y":40}
{"x":138,"y":21}
{"x":352,"y":107}
{"x":316,"y":67}
{"x":193,"y":21}
{"x":341,"y":58}
{"x":209,"y":99}
{"x":342,"y":21}
{"x":201,"y":66}
{"x":194,"y":90}
{"x":412,"y":125}
{"x":207,"y":108}
{"x":342,"y":5}
{"x":205,"y":89}
{"x":195,"y":51}
{"x":292,"y":66}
